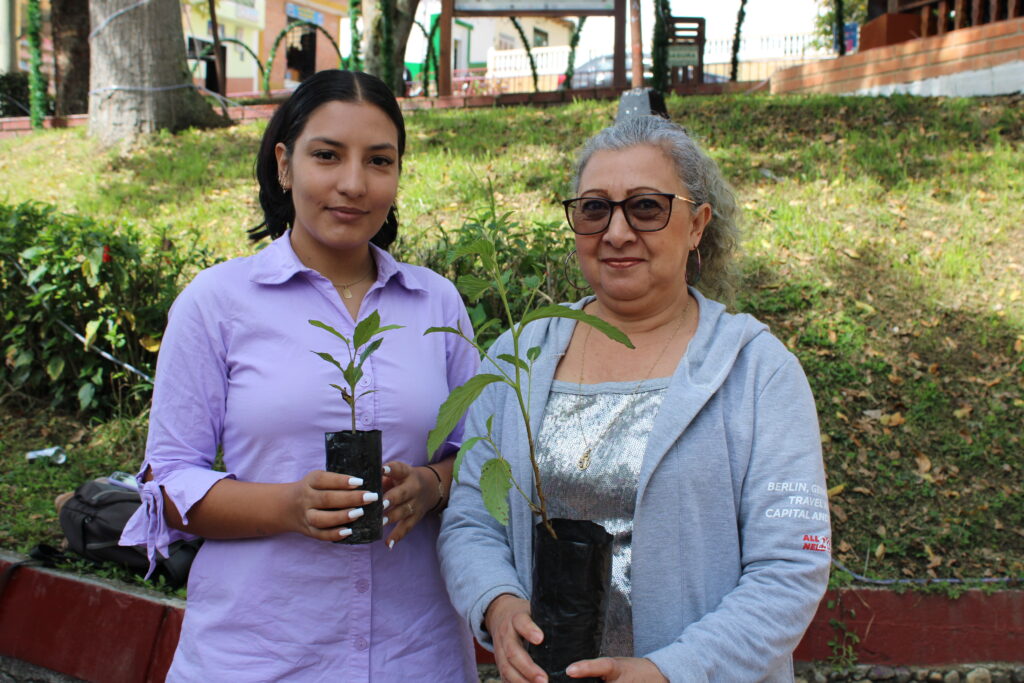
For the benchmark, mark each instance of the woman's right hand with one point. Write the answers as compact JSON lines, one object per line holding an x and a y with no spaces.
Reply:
{"x":325,"y":503}
{"x":508,"y":621}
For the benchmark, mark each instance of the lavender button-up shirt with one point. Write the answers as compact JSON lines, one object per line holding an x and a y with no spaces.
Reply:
{"x":236,"y":371}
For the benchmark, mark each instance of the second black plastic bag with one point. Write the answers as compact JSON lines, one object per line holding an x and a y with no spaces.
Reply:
{"x":570,"y":581}
{"x":358,"y":454}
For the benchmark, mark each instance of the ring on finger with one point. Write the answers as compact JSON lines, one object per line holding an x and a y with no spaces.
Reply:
{"x":412,"y":510}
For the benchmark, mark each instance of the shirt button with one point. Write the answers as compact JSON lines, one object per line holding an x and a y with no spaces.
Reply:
{"x":364,"y":381}
{"x":365,"y":419}
{"x":361,"y":644}
{"x":362,"y":585}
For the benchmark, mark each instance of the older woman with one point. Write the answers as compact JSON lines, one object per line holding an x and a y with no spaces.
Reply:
{"x":698,"y":450}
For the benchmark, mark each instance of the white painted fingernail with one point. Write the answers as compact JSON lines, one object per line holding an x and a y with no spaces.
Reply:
{"x":391,"y":544}
{"x":355,"y":481}
{"x":370,"y":497}
{"x":384,"y":521}
{"x":387,"y":470}
{"x":386,"y":505}
{"x":345,"y":532}
{"x":356,"y":514}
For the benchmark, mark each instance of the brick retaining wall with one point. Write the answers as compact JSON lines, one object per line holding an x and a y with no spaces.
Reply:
{"x":100,"y":630}
{"x":964,"y":50}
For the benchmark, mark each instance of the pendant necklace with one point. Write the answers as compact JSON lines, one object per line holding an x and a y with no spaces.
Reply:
{"x":345,"y":291}
{"x":584,"y":460}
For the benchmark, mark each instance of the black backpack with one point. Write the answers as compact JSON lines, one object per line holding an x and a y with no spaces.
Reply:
{"x":93,"y":519}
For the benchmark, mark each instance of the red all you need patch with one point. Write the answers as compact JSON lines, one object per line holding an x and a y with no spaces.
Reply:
{"x":821,"y":544}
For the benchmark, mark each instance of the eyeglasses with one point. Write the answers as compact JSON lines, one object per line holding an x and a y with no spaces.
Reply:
{"x":646,"y":212}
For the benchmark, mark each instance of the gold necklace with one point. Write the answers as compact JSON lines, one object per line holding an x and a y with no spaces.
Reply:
{"x":584,"y":460}
{"x":345,"y":291}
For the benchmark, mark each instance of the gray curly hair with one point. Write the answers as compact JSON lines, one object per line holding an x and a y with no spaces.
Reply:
{"x":704,"y":182}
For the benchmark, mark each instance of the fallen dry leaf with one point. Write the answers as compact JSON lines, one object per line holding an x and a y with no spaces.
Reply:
{"x":923,"y":463}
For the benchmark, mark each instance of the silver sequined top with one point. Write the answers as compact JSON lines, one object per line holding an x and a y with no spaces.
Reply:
{"x":612,"y":421}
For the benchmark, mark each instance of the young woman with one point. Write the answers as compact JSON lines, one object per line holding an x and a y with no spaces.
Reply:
{"x":270,"y":597}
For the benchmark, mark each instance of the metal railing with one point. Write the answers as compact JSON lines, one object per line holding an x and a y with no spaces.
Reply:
{"x":941,"y":16}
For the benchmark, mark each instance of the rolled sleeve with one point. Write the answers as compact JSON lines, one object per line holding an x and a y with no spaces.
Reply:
{"x":186,"y":419}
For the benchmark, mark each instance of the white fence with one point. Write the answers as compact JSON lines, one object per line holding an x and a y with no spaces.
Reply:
{"x":759,"y":56}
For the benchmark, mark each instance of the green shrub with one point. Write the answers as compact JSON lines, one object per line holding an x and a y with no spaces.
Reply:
{"x":105,"y":282}
{"x":533,"y":257}
{"x":14,"y":93}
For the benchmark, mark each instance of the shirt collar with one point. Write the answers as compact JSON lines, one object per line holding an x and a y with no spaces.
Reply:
{"x":277,"y":263}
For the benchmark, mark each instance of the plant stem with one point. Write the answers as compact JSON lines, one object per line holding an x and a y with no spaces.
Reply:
{"x":523,"y":407}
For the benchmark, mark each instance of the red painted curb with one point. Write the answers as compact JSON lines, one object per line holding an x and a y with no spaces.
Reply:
{"x":105,"y":631}
{"x":919,"y":629}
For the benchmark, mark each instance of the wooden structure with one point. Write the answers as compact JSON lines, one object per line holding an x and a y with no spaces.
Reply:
{"x":937,"y":17}
{"x":449,"y":12}
{"x":686,"y":49}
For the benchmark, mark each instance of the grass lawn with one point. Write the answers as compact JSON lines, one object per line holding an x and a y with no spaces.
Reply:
{"x":883,"y":242}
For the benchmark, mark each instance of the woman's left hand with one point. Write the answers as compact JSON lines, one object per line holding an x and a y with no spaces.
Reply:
{"x":410,"y":493}
{"x":622,"y":669}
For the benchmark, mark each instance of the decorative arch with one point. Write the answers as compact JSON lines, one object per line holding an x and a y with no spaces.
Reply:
{"x":277,"y":41}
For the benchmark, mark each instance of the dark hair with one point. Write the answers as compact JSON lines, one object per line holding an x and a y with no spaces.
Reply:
{"x":287,"y":124}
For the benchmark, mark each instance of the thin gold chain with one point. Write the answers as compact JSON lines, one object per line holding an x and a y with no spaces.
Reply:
{"x":345,"y":291}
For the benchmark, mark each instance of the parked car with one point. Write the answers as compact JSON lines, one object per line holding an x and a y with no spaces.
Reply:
{"x":597,"y":73}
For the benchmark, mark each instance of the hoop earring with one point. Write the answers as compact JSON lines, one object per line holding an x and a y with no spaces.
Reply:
{"x":696,"y":276}
{"x":565,"y":272}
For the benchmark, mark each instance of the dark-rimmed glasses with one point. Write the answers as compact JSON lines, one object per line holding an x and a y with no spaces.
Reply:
{"x":645,"y":212}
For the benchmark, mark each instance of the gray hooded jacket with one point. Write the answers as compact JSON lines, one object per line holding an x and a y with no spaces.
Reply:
{"x":731,"y":537}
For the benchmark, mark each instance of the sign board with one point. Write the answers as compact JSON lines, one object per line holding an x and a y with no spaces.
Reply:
{"x":683,"y":55}
{"x":304,"y":13}
{"x":569,"y":7}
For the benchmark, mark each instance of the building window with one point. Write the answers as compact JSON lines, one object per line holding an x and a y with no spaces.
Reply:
{"x":506,"y":42}
{"x":540,"y":38}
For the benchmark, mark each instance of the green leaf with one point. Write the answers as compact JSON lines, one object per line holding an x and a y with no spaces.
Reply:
{"x":352,"y":375}
{"x":31,"y":253}
{"x":556,"y":311}
{"x":374,"y":345}
{"x":509,"y":358}
{"x":366,"y":328}
{"x":450,"y":330}
{"x":533,"y":353}
{"x":86,"y":392}
{"x":95,"y":261}
{"x":455,"y":406}
{"x":330,"y":359}
{"x":91,"y":329}
{"x":473,"y":287}
{"x":37,"y":273}
{"x":466,"y":446}
{"x":495,"y":481}
{"x":342,"y":389}
{"x":55,"y":367}
{"x":474,"y":248}
{"x":325,"y":326}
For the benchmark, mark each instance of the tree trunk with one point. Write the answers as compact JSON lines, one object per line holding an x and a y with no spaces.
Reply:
{"x":404,"y":15}
{"x":137,"y":77}
{"x":740,"y":16}
{"x":637,"y":45}
{"x":840,"y":29}
{"x":70,"y":22}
